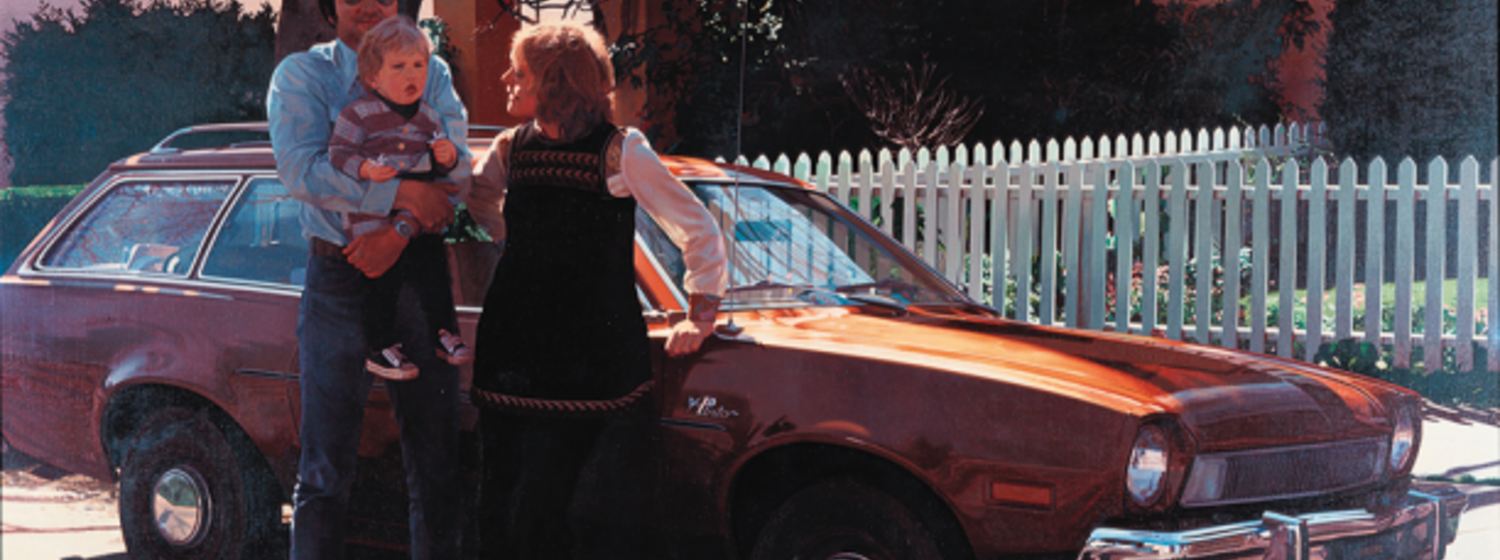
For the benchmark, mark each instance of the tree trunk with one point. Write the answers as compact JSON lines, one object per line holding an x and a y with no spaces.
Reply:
{"x":301,"y":25}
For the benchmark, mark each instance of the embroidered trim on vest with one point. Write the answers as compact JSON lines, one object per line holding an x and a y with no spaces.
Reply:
{"x":575,"y":170}
{"x":557,"y":169}
{"x":553,"y":408}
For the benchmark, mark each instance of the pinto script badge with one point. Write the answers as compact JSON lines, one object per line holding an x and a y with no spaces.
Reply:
{"x":708,"y":407}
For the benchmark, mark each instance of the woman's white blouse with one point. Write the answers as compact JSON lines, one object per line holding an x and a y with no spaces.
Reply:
{"x":641,"y":175}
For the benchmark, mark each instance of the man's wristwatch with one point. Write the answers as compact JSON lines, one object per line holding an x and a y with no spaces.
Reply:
{"x":405,"y":224}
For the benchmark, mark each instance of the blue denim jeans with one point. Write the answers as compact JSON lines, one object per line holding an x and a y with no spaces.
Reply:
{"x":335,"y":388}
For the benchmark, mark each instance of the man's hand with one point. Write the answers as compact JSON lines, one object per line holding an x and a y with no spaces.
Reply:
{"x":375,"y":252}
{"x":444,"y":151}
{"x":376,"y":172}
{"x":427,"y":202}
{"x":687,"y":336}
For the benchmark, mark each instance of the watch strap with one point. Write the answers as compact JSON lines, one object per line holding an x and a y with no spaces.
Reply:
{"x":703,"y":308}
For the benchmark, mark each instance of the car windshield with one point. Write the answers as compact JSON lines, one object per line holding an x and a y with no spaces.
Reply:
{"x":796,"y":248}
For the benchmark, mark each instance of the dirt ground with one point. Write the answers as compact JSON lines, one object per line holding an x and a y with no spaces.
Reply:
{"x":50,"y":514}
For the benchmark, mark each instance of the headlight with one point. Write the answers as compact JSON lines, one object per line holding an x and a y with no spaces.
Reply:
{"x":1147,"y":470}
{"x":1403,"y":439}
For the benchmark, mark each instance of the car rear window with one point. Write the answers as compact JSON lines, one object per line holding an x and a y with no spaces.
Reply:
{"x":262,"y":239}
{"x":143,"y":228}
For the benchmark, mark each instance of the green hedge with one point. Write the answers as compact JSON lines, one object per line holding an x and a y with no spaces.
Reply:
{"x":24,"y":211}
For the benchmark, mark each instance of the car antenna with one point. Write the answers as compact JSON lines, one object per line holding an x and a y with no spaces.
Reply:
{"x":730,"y":328}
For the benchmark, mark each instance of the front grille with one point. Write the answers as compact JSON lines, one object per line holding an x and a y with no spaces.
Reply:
{"x":1284,"y":472}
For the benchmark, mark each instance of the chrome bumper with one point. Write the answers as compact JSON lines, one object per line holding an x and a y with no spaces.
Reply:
{"x":1418,"y":529}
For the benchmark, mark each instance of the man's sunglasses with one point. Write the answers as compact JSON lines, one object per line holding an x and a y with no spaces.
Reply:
{"x":353,"y":3}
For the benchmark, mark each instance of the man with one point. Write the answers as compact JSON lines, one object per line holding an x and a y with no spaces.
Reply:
{"x":307,"y":93}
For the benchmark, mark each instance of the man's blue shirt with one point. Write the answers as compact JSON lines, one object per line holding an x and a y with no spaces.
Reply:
{"x":307,"y":92}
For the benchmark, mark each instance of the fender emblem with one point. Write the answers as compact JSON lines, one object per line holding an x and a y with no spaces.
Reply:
{"x":708,"y":407}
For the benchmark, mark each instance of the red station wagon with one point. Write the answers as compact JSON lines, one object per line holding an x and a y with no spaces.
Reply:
{"x":863,"y":408}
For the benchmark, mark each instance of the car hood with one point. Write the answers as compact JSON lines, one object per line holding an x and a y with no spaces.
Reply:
{"x":1227,"y":399}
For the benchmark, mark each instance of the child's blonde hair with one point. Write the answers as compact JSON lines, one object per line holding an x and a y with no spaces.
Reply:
{"x":396,"y":34}
{"x":575,"y":79}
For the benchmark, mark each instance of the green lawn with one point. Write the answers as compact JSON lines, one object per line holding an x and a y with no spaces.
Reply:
{"x":1387,"y":297}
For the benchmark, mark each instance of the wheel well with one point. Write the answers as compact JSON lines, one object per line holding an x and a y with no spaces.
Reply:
{"x":130,"y":407}
{"x":769,"y":479}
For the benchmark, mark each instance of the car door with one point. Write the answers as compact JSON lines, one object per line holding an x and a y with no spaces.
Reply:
{"x":256,"y":264}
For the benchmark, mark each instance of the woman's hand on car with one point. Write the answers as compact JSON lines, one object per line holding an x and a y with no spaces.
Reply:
{"x":687,"y":336}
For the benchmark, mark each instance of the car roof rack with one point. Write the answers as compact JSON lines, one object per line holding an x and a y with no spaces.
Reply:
{"x":165,"y":145}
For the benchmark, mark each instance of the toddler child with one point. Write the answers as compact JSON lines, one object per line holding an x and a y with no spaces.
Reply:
{"x":392,"y":133}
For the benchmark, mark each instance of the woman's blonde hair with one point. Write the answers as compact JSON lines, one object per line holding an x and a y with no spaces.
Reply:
{"x":396,"y":34}
{"x":571,"y":69}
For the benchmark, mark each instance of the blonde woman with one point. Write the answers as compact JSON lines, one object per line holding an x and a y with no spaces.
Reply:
{"x":562,"y":346}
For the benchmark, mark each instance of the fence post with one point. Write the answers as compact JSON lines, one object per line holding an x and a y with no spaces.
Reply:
{"x":887,"y":198}
{"x":1234,"y":178}
{"x":1406,"y":176}
{"x":976,"y":197}
{"x":845,"y":181}
{"x":999,"y":241}
{"x":1437,"y":206}
{"x":1126,"y":212}
{"x":1492,"y":321}
{"x":1073,"y":245}
{"x":1151,"y":246}
{"x":930,"y":220}
{"x":1317,"y":244}
{"x":1047,"y":259}
{"x":1468,"y":259}
{"x":909,"y":205}
{"x":1343,"y":271}
{"x":953,"y":245}
{"x":1024,"y":212}
{"x":1374,"y":261}
{"x":1177,"y":234}
{"x":1099,"y":203}
{"x":825,"y":169}
{"x":1287,"y":286}
{"x":1260,"y":251}
{"x":1204,"y":254}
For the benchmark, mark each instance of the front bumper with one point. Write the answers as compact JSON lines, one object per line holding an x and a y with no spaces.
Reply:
{"x":1419,"y":528}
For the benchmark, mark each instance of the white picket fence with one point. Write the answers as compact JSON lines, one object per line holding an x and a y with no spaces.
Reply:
{"x":1084,"y":205}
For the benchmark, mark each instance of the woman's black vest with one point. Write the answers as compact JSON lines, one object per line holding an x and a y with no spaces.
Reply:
{"x":562,"y":319}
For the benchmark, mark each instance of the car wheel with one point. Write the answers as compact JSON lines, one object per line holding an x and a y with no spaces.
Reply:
{"x":182,"y":494}
{"x":842,"y":519}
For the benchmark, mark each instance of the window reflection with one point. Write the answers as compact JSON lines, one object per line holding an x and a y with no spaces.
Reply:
{"x":153,"y":228}
{"x":262,"y":239}
{"x":792,"y":247}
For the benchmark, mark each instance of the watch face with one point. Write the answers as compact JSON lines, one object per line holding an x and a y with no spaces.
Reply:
{"x":403,"y":228}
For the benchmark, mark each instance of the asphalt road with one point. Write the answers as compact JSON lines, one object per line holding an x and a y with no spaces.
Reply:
{"x":49,"y":514}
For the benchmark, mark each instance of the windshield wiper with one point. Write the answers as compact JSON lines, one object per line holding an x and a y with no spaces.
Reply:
{"x":764,"y":285}
{"x":880,"y":301}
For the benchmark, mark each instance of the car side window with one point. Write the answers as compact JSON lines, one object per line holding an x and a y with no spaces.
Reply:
{"x":143,"y":228}
{"x":262,"y":239}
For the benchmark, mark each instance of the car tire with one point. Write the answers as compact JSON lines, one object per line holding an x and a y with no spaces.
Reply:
{"x":182,"y":493}
{"x":842,"y":519}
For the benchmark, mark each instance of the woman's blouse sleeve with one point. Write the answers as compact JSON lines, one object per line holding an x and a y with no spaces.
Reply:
{"x":681,"y":216}
{"x":486,"y":197}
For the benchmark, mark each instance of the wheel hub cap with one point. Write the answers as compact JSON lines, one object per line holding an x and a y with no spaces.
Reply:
{"x":180,"y":505}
